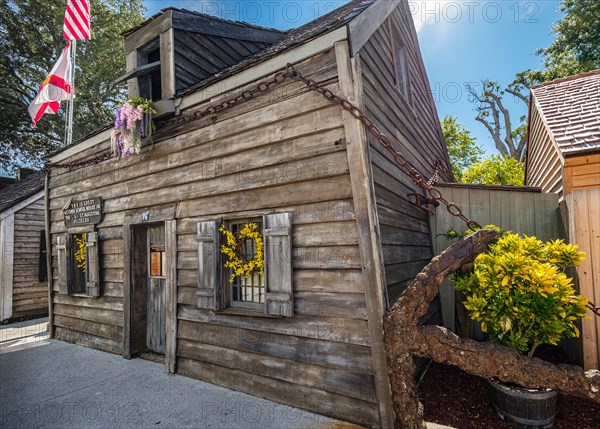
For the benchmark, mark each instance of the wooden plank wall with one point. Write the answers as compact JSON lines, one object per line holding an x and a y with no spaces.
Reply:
{"x":583,"y":207}
{"x":30,"y":296}
{"x":520,"y":210}
{"x":283,"y":151}
{"x":416,"y":132}
{"x":582,"y":172}
{"x":544,"y":161}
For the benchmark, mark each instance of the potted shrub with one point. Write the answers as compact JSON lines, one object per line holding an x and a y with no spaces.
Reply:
{"x":520,"y":294}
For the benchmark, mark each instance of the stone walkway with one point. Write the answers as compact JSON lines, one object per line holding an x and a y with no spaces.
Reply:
{"x":48,"y":383}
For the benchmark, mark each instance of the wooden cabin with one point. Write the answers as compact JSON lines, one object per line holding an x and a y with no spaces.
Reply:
{"x":23,"y":272}
{"x":563,"y":157}
{"x":342,"y":238}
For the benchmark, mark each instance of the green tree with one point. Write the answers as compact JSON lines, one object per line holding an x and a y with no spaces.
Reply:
{"x":462,"y":148}
{"x":496,"y":170}
{"x":30,"y":43}
{"x":576,"y":47}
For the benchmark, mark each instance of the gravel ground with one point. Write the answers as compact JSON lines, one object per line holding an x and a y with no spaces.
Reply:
{"x":453,"y":397}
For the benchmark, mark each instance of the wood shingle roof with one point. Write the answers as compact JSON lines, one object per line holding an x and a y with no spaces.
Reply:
{"x":294,"y":37}
{"x":571,"y":110}
{"x":19,"y":191}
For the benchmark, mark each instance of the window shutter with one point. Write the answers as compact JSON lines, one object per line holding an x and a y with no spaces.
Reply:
{"x":63,"y":247}
{"x":279,"y":299}
{"x":43,"y":263}
{"x":92,"y":286}
{"x":209,"y":267}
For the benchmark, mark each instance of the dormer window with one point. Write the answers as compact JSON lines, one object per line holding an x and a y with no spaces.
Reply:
{"x":176,"y":49}
{"x":147,"y":66}
{"x":149,"y":81}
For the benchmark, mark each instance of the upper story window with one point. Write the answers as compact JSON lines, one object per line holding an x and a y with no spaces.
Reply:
{"x":149,"y":79}
{"x":401,"y":74}
{"x":145,"y":72}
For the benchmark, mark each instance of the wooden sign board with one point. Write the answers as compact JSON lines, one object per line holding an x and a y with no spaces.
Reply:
{"x":84,"y":212}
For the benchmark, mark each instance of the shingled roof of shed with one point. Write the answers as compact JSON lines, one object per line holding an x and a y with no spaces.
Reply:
{"x":19,"y":191}
{"x":295,"y":37}
{"x":571,"y":110}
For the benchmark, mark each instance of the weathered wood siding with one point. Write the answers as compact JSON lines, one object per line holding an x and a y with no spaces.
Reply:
{"x":284,"y":151}
{"x":414,"y":127}
{"x":30,"y":296}
{"x":521,"y":210}
{"x":544,"y":161}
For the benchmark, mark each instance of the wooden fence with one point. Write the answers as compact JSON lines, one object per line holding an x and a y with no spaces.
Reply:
{"x":583,"y":208}
{"x":519,"y":209}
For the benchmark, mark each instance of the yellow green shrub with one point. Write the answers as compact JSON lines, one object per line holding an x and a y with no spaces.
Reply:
{"x":519,"y":292}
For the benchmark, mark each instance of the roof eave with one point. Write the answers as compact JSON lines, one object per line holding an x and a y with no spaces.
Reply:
{"x":229,"y":82}
{"x":581,"y":152}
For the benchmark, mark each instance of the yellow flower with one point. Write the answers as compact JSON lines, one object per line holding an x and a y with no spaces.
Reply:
{"x":239,"y":266}
{"x":80,"y":253}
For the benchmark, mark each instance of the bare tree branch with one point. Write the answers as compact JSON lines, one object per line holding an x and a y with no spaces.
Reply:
{"x":405,"y":338}
{"x":490,"y":360}
{"x":497,"y":140}
{"x":518,"y":94}
{"x":508,"y":140}
{"x":490,"y":100}
{"x":521,"y":147}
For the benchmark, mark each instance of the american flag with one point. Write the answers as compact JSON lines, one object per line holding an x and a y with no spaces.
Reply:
{"x":77,"y":20}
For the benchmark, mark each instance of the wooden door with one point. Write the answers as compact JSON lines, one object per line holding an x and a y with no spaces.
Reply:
{"x":157,"y":291}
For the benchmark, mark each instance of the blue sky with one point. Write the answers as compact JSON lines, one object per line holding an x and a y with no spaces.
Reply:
{"x":462,"y":41}
{"x":490,"y":40}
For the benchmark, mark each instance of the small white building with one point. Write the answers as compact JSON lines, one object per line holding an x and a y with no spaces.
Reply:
{"x":23,"y":274}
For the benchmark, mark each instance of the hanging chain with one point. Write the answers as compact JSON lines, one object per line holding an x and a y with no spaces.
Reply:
{"x":593,"y":308}
{"x":70,"y":165}
{"x":291,"y":73}
{"x":434,"y":193}
{"x":435,"y":177}
{"x":400,"y":159}
{"x":261,"y":88}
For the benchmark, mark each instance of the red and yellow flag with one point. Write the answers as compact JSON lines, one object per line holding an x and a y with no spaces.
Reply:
{"x":54,"y":88}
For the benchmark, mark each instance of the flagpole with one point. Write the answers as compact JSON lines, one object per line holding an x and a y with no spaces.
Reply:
{"x":69,"y":130}
{"x":68,"y":105}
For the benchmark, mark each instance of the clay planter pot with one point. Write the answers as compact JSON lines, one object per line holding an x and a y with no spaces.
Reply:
{"x":524,"y":408}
